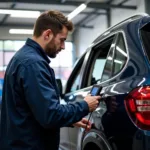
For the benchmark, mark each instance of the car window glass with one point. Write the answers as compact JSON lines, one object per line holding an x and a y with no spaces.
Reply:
{"x":97,"y":61}
{"x":108,"y":66}
{"x":120,"y":55}
{"x":74,"y":79}
{"x":75,"y":84}
{"x":97,"y":70}
{"x":145,"y":36}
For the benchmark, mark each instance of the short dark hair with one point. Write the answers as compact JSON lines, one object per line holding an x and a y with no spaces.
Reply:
{"x":53,"y":20}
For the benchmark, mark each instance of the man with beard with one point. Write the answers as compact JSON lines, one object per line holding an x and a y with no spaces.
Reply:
{"x":31,"y":115}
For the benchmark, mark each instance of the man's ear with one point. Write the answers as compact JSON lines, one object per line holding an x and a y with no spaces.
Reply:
{"x":48,"y":35}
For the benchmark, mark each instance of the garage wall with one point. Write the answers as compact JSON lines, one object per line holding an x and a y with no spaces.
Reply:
{"x":4,"y":35}
{"x":121,"y":14}
{"x":83,"y":37}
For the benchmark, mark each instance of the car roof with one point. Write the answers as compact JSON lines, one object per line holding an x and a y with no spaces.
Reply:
{"x":119,"y":26}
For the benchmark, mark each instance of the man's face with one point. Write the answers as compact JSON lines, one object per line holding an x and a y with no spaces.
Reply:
{"x":57,"y":43}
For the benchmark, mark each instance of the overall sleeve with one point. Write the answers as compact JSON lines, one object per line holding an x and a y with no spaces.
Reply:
{"x":43,"y":101}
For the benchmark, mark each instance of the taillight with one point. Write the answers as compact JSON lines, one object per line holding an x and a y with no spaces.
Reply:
{"x":137,"y":104}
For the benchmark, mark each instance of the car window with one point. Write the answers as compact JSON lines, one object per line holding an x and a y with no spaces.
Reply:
{"x":120,"y":55}
{"x":108,"y":66}
{"x":97,"y":62}
{"x":145,"y":36}
{"x":97,"y":70}
{"x":73,"y":83}
{"x":107,"y":72}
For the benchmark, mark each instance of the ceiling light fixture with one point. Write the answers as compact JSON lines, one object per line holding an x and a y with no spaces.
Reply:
{"x":20,"y":13}
{"x":21,"y":31}
{"x":76,"y":11}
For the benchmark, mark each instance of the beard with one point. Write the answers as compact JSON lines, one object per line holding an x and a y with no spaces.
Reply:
{"x":51,"y":49}
{"x":49,"y":52}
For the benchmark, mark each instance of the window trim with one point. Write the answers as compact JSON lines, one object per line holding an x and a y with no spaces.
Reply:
{"x":116,"y":42}
{"x":78,"y":67}
{"x":125,"y":42}
{"x":92,"y":51}
{"x":99,"y":43}
{"x":113,"y":49}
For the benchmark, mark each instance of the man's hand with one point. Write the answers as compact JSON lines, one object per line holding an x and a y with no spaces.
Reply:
{"x":84,"y":123}
{"x":92,"y":101}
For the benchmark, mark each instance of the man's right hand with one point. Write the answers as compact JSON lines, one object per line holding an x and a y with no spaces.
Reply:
{"x":92,"y":102}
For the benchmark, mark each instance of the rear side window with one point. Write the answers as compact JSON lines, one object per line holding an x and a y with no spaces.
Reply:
{"x":108,"y":66}
{"x":120,"y":55}
{"x":116,"y":58}
{"x":145,"y":35}
{"x":97,"y":61}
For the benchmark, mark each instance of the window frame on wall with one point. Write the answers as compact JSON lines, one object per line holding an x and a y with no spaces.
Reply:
{"x":1,"y":58}
{"x":14,"y":46}
{"x":5,"y":50}
{"x":1,"y":45}
{"x":64,"y":68}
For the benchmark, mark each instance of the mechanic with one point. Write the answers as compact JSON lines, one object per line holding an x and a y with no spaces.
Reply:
{"x":31,"y":115}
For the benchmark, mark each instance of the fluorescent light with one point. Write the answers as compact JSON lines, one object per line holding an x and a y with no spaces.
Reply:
{"x":21,"y":31}
{"x":26,"y":14}
{"x":20,"y":13}
{"x":77,"y":11}
{"x":23,"y":16}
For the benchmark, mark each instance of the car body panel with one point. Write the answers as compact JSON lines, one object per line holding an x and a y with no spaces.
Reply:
{"x":110,"y":122}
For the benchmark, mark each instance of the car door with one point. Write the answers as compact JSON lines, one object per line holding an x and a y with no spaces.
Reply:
{"x":104,"y":118}
{"x":73,"y":85}
{"x":92,"y":69}
{"x":99,"y":66}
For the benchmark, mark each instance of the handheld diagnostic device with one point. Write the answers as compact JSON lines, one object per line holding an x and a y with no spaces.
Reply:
{"x":96,"y":89}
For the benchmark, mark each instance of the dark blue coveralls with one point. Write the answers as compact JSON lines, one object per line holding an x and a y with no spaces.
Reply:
{"x":31,"y":114}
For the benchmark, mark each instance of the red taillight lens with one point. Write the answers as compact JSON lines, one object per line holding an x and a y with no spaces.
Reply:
{"x":138,"y":107}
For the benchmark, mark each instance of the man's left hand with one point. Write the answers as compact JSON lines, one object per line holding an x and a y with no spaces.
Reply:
{"x":84,"y":123}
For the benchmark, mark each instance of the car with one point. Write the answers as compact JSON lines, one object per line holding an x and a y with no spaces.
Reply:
{"x":119,"y":61}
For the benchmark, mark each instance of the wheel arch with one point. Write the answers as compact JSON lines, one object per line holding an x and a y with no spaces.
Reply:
{"x":96,"y":140}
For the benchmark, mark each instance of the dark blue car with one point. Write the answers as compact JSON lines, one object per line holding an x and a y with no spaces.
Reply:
{"x":119,"y":61}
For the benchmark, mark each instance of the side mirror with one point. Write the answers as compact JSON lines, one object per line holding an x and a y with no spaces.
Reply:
{"x":60,"y":87}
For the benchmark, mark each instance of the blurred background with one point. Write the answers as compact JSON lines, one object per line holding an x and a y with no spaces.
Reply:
{"x":17,"y":18}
